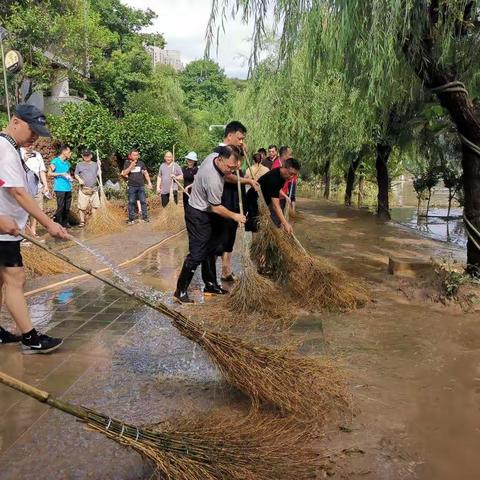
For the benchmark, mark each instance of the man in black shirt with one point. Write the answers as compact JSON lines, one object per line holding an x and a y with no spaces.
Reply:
{"x":271,"y":183}
{"x":136,"y":173}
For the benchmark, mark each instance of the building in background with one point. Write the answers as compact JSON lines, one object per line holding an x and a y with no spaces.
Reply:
{"x":165,"y":57}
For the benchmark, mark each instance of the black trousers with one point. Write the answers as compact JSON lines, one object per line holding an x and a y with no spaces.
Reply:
{"x":204,"y":240}
{"x":64,"y":202}
{"x":165,"y":197}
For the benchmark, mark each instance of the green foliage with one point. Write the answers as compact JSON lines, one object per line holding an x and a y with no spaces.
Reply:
{"x":120,"y":75}
{"x":84,"y":125}
{"x":151,"y":135}
{"x":205,"y":83}
{"x":3,"y":120}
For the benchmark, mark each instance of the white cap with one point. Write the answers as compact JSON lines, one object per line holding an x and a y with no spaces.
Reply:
{"x":192,"y":156}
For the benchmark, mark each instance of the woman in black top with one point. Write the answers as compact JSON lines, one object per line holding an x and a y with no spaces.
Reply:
{"x":189,"y":173}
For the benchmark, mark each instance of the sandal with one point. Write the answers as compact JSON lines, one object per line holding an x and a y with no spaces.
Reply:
{"x":81,"y":225}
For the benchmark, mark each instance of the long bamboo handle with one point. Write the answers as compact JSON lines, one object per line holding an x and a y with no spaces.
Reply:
{"x":25,"y":388}
{"x":160,"y":307}
{"x":43,"y":396}
{"x":181,"y":187}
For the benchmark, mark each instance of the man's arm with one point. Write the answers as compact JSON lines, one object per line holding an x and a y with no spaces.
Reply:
{"x":24,"y":199}
{"x":147,"y":178}
{"x":126,"y":171}
{"x":43,"y":178}
{"x":278,"y":210}
{"x":232,"y":178}
{"x":225,"y":213}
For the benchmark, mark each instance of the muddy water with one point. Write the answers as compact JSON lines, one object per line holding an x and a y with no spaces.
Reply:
{"x":413,"y":364}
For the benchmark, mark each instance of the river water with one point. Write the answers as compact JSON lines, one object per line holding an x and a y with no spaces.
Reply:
{"x":403,"y":203}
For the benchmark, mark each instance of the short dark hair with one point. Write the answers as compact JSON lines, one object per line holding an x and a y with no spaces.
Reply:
{"x":226,"y":151}
{"x":262,"y":150}
{"x":234,"y":127}
{"x":257,"y":157}
{"x":283,"y":150}
{"x":273,"y":146}
{"x":292,"y":163}
{"x":133,"y":150}
{"x":63,"y":148}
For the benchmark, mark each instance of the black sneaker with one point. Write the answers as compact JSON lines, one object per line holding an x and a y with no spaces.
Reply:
{"x":182,"y":297}
{"x":213,"y":289}
{"x":33,"y":342}
{"x":146,"y":220}
{"x":7,"y":337}
{"x":131,"y":222}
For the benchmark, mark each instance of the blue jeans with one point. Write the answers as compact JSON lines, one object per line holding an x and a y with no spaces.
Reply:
{"x":134,"y":194}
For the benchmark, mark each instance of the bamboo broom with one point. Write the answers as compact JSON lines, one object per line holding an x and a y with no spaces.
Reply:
{"x":253,"y":293}
{"x":212,"y":448}
{"x":313,"y":282}
{"x":108,"y":218}
{"x":306,"y":386}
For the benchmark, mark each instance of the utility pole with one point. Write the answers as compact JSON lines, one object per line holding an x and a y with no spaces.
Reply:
{"x":3,"y":36}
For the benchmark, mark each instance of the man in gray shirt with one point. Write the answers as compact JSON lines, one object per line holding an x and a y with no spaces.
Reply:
{"x":203,"y":217}
{"x":86,"y":173}
{"x":165,"y":182}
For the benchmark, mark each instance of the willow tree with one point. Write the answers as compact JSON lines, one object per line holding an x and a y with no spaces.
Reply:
{"x":316,"y":116}
{"x":437,"y":39}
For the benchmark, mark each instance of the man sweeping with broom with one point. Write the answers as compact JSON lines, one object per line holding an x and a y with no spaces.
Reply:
{"x":16,"y":201}
{"x":271,"y":184}
{"x":203,"y":216}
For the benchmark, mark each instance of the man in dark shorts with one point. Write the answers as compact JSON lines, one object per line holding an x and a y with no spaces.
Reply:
{"x":17,"y":202}
{"x":230,"y":200}
{"x":204,"y":219}
{"x":271,"y":183}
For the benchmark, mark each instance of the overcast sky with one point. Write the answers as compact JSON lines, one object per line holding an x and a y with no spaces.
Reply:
{"x":184,"y":22}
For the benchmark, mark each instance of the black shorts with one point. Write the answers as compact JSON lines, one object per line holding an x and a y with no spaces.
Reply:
{"x":229,"y":235}
{"x":10,"y":255}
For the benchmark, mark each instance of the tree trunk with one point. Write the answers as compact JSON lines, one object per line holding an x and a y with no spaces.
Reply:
{"x":361,"y":188}
{"x":326,"y":193}
{"x":383,"y":206}
{"x":351,"y":181}
{"x":450,"y":198}
{"x":419,"y":204}
{"x":462,"y":113}
{"x":428,"y":202}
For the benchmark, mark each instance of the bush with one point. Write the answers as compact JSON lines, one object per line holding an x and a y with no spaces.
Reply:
{"x":150,"y":134}
{"x":84,"y":125}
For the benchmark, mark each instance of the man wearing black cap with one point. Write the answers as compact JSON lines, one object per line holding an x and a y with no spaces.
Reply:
{"x":86,"y":172}
{"x":16,"y":201}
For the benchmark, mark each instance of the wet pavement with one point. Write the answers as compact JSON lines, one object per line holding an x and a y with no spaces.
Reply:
{"x":127,"y":361}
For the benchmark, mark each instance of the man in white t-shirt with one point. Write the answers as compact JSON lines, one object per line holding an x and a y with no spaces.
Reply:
{"x":35,"y":163}
{"x":16,"y":201}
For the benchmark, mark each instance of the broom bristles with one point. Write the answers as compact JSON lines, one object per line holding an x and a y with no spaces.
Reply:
{"x":170,"y":217}
{"x":38,"y":262}
{"x":215,"y":447}
{"x":109,"y":218}
{"x":308,"y":387}
{"x":313,"y":282}
{"x":218,"y":447}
